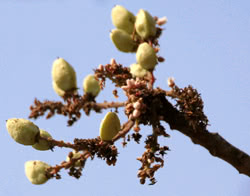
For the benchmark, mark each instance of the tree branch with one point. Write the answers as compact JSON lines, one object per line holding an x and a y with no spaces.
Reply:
{"x":213,"y":142}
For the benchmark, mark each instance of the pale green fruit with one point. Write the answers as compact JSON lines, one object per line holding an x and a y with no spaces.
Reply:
{"x":76,"y":155}
{"x":110,"y":126}
{"x":146,"y":56}
{"x":42,"y":144}
{"x":123,"y":19}
{"x":91,"y":85}
{"x":122,"y":40}
{"x":145,"y":24}
{"x":22,"y":131}
{"x":58,"y":91}
{"x":138,"y":71}
{"x":63,"y":74}
{"x":35,"y":171}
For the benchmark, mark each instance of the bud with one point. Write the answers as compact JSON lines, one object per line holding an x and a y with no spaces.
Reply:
{"x":162,"y":21}
{"x":137,"y":105}
{"x":146,"y":56}
{"x":137,"y":71}
{"x":110,"y":126}
{"x":145,"y":24}
{"x":113,"y":62}
{"x":130,"y":83}
{"x":35,"y":171}
{"x":171,"y":82}
{"x":122,"y":40}
{"x":136,"y":113}
{"x":63,"y":75}
{"x":75,"y":156}
{"x":42,"y":144}
{"x":123,"y":19}
{"x":22,"y":131}
{"x":91,"y":85}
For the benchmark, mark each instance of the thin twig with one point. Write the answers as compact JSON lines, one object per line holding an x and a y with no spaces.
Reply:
{"x":126,"y":128}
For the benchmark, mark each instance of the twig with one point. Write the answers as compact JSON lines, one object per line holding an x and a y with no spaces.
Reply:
{"x":72,"y":108}
{"x":107,"y":105}
{"x":126,"y":128}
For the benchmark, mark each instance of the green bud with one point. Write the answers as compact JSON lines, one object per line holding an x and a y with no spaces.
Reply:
{"x":145,"y":24}
{"x":63,"y":75}
{"x":22,"y":131}
{"x":138,"y":71}
{"x":35,"y":171}
{"x":42,"y":144}
{"x":146,"y":56}
{"x":76,"y":155}
{"x":123,"y":19}
{"x":91,"y":85}
{"x":122,"y":40}
{"x":110,"y":126}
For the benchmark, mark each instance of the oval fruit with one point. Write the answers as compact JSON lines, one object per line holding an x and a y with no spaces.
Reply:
{"x":123,"y":19}
{"x":22,"y":131}
{"x":137,"y":70}
{"x":63,"y":74}
{"x":58,"y":91}
{"x":91,"y":85}
{"x":110,"y":126}
{"x":76,"y":155}
{"x":122,"y":40}
{"x":43,"y":144}
{"x":145,"y":24}
{"x":146,"y":56}
{"x":35,"y":171}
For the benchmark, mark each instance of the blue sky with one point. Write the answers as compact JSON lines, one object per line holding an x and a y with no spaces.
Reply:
{"x":205,"y":44}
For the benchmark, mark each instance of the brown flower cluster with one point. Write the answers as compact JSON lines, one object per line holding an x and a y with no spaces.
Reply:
{"x":152,"y":159}
{"x":89,"y":148}
{"x":189,"y":102}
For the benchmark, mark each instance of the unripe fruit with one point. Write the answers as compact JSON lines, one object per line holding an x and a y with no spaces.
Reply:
{"x":35,"y":171}
{"x":146,"y":56}
{"x":138,"y":71}
{"x":22,"y":131}
{"x":76,"y":155}
{"x":145,"y":24}
{"x":58,"y":91}
{"x":43,"y":144}
{"x":63,"y":74}
{"x":123,"y":19}
{"x":91,"y":85}
{"x":110,"y":126}
{"x":122,"y":40}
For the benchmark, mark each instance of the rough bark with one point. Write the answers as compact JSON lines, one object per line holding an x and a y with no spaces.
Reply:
{"x":213,"y":142}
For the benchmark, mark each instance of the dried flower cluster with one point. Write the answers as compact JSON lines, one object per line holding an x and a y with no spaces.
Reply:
{"x":189,"y":102}
{"x":86,"y":148}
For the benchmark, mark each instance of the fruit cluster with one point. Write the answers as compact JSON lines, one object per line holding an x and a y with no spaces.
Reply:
{"x":136,"y":34}
{"x":64,"y":79}
{"x":27,"y":133}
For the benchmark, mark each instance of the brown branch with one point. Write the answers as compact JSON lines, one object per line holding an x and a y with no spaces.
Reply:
{"x":125,"y":129}
{"x":61,"y":144}
{"x":72,"y":108}
{"x":53,"y":171}
{"x":213,"y":142}
{"x":107,"y":105}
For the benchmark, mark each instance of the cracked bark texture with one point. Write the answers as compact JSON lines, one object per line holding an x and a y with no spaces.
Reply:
{"x":213,"y":142}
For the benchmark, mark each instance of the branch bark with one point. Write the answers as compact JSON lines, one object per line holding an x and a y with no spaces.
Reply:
{"x":213,"y":142}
